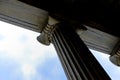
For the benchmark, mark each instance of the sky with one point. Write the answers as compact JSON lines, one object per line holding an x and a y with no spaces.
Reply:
{"x":112,"y":70}
{"x":22,"y":57}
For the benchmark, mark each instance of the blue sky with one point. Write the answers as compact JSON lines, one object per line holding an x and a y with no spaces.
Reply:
{"x":112,"y":70}
{"x":22,"y":57}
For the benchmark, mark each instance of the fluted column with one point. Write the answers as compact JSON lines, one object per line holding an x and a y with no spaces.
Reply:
{"x":77,"y":61}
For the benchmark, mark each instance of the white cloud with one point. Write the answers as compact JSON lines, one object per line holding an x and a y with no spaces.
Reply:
{"x":28,"y":54}
{"x":28,"y":71}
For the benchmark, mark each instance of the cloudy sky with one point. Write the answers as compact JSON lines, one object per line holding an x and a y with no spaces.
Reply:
{"x":22,"y":57}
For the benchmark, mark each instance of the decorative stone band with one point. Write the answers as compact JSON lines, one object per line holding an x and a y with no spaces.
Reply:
{"x":115,"y":56}
{"x":23,"y":15}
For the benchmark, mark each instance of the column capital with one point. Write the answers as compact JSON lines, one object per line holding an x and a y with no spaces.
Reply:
{"x":115,"y":55}
{"x":46,"y":34}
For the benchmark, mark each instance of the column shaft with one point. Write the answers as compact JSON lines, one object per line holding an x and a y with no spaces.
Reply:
{"x":77,"y":61}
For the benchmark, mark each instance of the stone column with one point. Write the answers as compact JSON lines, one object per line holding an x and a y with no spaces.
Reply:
{"x":77,"y":61}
